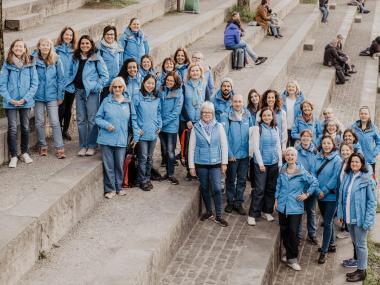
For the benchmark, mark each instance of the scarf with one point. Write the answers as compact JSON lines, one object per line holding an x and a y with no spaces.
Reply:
{"x":198,"y":88}
{"x":114,"y":47}
{"x":208,"y":127}
{"x":18,"y":62}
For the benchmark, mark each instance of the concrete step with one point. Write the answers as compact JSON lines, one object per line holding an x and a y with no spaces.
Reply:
{"x":22,"y":22}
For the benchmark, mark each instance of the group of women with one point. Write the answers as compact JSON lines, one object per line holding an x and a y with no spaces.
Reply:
{"x":294,"y":158}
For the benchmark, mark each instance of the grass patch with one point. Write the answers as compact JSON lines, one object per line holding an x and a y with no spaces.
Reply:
{"x":378,"y":208}
{"x":109,"y":4}
{"x":373,"y":270}
{"x":246,"y":15}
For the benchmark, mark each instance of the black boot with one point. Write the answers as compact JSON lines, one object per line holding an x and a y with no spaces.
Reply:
{"x":322,"y":258}
{"x":359,"y":276}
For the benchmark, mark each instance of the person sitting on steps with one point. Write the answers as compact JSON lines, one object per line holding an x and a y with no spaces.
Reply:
{"x":264,"y":19}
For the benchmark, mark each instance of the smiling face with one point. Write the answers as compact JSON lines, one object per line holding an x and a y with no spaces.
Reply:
{"x":345,"y":152}
{"x":207,"y":115}
{"x":67,"y":36}
{"x":255,"y":98}
{"x":290,"y":157}
{"x":291,"y":89}
{"x":195,"y":72}
{"x":356,"y":164}
{"x":306,"y":140}
{"x":85,"y":46}
{"x":146,"y":64}
{"x":267,"y":117}
{"x":170,"y":82}
{"x":135,"y":25}
{"x":349,"y":138}
{"x":180,"y":58}
{"x":364,"y":115}
{"x":237,"y":103}
{"x":307,"y":110}
{"x":44,"y":47}
{"x":18,"y":49}
{"x":149,"y":85}
{"x":132,"y":69}
{"x":271,"y":100}
{"x":331,"y":128}
{"x":118,"y":88}
{"x":110,"y":36}
{"x":168,"y":66}
{"x":226,"y":88}
{"x":327,"y":145}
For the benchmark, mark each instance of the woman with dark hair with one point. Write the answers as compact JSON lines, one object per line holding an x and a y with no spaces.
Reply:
{"x":131,"y":76}
{"x":18,"y":84}
{"x":112,"y":53}
{"x":172,"y":100}
{"x":65,"y":46}
{"x":149,"y":121}
{"x":253,"y":104}
{"x":350,"y":137}
{"x":182,"y":62}
{"x":167,"y":66}
{"x":88,"y":75}
{"x":146,"y":66}
{"x":369,"y":136}
{"x":327,"y":171}
{"x":271,"y":98}
{"x":357,"y":208}
{"x":264,"y":19}
{"x":133,"y":41}
{"x":265,"y":148}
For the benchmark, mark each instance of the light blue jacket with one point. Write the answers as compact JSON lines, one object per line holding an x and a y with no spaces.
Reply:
{"x":297,"y":105}
{"x":210,"y":81}
{"x":17,"y":84}
{"x":289,"y":187}
{"x":369,"y":141}
{"x":172,"y":101}
{"x":118,"y":115}
{"x":113,"y":60}
{"x":207,"y":152}
{"x":329,"y":176}
{"x":221,"y":105}
{"x":134,"y":86}
{"x":362,"y":202}
{"x":144,"y":73}
{"x":237,"y":132}
{"x":194,"y":96}
{"x":134,"y":45}
{"x":181,"y":70}
{"x":149,"y":120}
{"x":300,"y":125}
{"x":95,"y":75}
{"x":51,"y":81}
{"x":65,"y":53}
{"x":307,"y":157}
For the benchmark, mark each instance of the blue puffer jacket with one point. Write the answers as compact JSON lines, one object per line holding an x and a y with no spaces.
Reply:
{"x":289,"y":187}
{"x":369,"y":140}
{"x":51,"y":81}
{"x":17,"y":84}
{"x":221,"y":105}
{"x":149,"y":120}
{"x":65,"y":53}
{"x":297,"y":105}
{"x":113,"y":58}
{"x":194,"y":96}
{"x":95,"y":75}
{"x":300,"y":125}
{"x":253,"y":115}
{"x":307,"y":157}
{"x":134,"y":86}
{"x":134,"y":45}
{"x":118,"y":115}
{"x":171,"y":106}
{"x":207,"y":152}
{"x":363,"y":200}
{"x":237,"y":131}
{"x":329,"y":176}
{"x":231,"y":35}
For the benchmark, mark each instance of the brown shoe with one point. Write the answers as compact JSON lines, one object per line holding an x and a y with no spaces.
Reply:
{"x":43,"y":151}
{"x":60,"y":153}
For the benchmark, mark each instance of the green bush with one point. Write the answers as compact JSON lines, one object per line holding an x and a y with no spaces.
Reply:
{"x":246,"y":15}
{"x":373,"y":270}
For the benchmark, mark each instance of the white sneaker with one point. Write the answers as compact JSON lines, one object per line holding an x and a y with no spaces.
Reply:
{"x":90,"y":152}
{"x":284,"y":259}
{"x":268,"y":217}
{"x":251,"y":221}
{"x":295,"y":266}
{"x":13,"y":162}
{"x":122,"y":193}
{"x":82,"y":152}
{"x":26,"y":158}
{"x":110,"y":195}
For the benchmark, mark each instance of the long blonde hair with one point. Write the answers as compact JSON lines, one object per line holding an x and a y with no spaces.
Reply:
{"x":52,"y":56}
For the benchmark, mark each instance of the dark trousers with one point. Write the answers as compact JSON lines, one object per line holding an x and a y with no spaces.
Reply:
{"x":236,"y":181}
{"x":291,"y":141}
{"x":64,"y":111}
{"x":288,"y":230}
{"x":168,"y":145}
{"x":251,"y":173}
{"x":328,"y":209}
{"x":12,"y":130}
{"x":210,"y":177}
{"x":262,"y":196}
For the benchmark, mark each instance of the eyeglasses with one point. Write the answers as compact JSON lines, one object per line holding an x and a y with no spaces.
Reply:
{"x":118,"y":87}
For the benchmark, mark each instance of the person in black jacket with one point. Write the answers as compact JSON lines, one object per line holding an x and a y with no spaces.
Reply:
{"x":331,"y":56}
{"x":348,"y":68}
{"x":375,"y":46}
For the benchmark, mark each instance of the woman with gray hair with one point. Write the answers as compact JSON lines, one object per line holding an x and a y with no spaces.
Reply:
{"x":208,"y":158}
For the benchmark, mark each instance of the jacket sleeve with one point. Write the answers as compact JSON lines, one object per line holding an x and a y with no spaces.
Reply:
{"x":313,"y":185}
{"x":333,"y":178}
{"x":226,"y":124}
{"x":250,"y":141}
{"x":284,"y":130}
{"x":159,"y":115}
{"x":371,"y":206}
{"x":146,"y":46}
{"x":223,"y":144}
{"x":33,"y":84}
{"x":61,"y":79}
{"x":256,"y":145}
{"x":136,"y":128}
{"x":295,"y":132}
{"x":4,"y":76}
{"x":237,"y":35}
{"x":123,"y":41}
{"x":278,"y":187}
{"x":377,"y":142}
{"x":99,"y":118}
{"x":133,"y":118}
{"x":174,"y":114}
{"x":191,"y":152}
{"x":102,"y":73}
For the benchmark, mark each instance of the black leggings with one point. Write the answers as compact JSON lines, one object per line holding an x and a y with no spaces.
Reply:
{"x":64,"y":111}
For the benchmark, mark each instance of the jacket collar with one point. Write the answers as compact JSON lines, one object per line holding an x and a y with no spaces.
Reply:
{"x":299,"y":169}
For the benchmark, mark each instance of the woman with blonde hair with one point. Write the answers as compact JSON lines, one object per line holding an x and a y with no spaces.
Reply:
{"x":50,"y":92}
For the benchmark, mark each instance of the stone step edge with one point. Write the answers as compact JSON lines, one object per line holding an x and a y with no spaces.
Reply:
{"x":46,"y":215}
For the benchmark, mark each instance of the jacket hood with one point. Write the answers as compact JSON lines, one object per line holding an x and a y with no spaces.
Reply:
{"x":299,"y":169}
{"x":219,"y":96}
{"x":65,"y":48}
{"x":330,"y":156}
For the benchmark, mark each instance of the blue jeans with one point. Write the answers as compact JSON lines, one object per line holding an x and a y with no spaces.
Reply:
{"x":274,"y":29}
{"x":87,"y":106}
{"x":325,"y":12}
{"x":262,"y":196}
{"x":145,"y":151}
{"x":328,"y":209}
{"x":168,"y":145}
{"x":113,"y":166}
{"x":359,"y":238}
{"x":12,"y":130}
{"x":39,"y":114}
{"x":311,"y":218}
{"x":247,"y":50}
{"x":210,"y":177}
{"x":236,"y":181}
